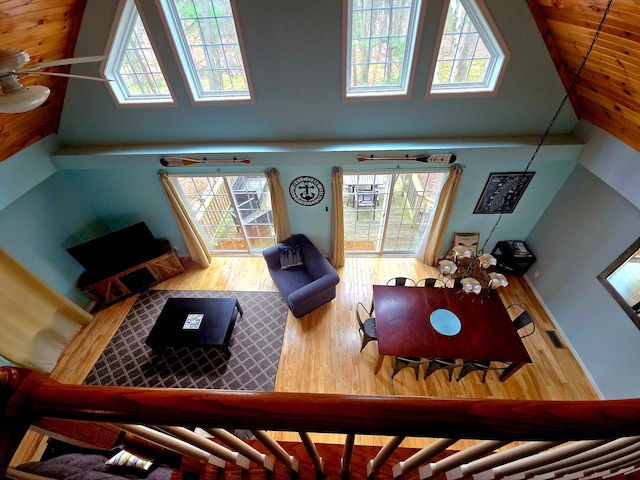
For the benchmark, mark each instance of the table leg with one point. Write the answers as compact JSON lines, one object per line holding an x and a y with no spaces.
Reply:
{"x":510,"y":370}
{"x":379,"y":364}
{"x":239,"y":307}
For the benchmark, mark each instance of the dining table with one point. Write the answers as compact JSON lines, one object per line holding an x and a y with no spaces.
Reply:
{"x":431,"y":322}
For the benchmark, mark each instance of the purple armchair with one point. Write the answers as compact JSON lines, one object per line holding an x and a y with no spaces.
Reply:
{"x":307,"y":286}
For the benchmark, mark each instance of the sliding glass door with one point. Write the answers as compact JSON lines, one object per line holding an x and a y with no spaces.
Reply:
{"x":232,"y":211}
{"x":389,"y":212}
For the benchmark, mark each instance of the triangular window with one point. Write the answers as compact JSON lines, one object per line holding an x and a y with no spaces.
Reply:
{"x":132,"y":65}
{"x":472,"y":54}
{"x":208,"y":42}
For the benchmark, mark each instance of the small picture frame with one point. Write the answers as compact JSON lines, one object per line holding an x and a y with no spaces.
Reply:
{"x":502,"y":192}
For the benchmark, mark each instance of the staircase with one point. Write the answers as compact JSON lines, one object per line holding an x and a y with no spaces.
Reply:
{"x":503,"y":439}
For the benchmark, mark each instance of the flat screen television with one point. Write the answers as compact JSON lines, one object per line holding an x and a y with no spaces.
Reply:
{"x":116,"y":251}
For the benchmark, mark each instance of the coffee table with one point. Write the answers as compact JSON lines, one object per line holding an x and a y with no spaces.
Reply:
{"x":195,"y":322}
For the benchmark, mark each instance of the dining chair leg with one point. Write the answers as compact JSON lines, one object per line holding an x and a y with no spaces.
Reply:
{"x":434,"y":366}
{"x":467,"y":369}
{"x":464,"y":371}
{"x":431,"y":367}
{"x":400,"y":364}
{"x":365,"y":340}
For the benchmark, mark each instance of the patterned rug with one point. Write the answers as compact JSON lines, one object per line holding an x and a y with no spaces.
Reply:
{"x":255,"y":347}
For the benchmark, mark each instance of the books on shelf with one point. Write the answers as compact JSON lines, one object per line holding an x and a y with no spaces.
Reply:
{"x":518,"y":248}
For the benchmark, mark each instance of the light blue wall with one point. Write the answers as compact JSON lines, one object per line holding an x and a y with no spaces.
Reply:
{"x":294,"y":55}
{"x":121,"y":197}
{"x":122,"y":188}
{"x":549,"y":175}
{"x":27,"y":168}
{"x":585,"y":228}
{"x":35,"y":229}
{"x":132,"y":174}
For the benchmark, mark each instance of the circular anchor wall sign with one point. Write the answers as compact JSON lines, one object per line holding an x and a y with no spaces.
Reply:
{"x":306,"y":191}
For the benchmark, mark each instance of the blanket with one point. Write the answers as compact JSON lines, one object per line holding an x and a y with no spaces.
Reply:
{"x":79,"y":466}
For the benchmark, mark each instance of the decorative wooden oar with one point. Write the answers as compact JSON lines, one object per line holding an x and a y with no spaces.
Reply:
{"x":440,"y":158}
{"x":180,"y":162}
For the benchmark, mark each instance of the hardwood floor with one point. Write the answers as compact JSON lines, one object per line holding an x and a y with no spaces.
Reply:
{"x":321,"y":351}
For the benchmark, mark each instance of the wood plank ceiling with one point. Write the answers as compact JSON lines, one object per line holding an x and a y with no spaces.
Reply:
{"x":606,"y":94}
{"x":47,"y":30}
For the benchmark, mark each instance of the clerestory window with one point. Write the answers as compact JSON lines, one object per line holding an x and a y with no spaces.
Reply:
{"x":380,"y":43}
{"x":132,"y":65}
{"x":208,"y":43}
{"x":471,"y":52}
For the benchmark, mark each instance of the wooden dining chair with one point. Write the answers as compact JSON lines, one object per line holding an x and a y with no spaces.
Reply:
{"x":366,"y":325}
{"x":435,"y":364}
{"x":401,"y":282}
{"x":408,"y":362}
{"x":523,"y":319}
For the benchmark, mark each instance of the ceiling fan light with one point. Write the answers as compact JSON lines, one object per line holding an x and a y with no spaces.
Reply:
{"x":12,"y":59}
{"x":24,"y":99}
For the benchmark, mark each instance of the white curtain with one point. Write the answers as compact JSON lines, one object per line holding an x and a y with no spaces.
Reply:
{"x":196,"y":245}
{"x":442,"y":215}
{"x":37,"y":322}
{"x":278,"y":205}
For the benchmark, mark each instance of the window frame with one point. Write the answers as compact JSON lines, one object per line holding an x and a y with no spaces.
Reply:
{"x":492,"y":38}
{"x":382,"y":93}
{"x":119,"y":37}
{"x":384,"y":228}
{"x":183,"y":56}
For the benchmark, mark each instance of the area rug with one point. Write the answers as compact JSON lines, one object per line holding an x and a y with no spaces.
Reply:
{"x":255,"y":347}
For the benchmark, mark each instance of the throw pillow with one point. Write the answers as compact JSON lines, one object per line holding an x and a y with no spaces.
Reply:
{"x":290,"y":255}
{"x":126,"y":459}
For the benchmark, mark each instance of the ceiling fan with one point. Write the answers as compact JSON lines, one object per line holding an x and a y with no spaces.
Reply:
{"x":16,"y":98}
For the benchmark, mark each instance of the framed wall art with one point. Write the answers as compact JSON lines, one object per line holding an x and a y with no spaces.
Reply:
{"x":306,"y":190}
{"x":502,"y":192}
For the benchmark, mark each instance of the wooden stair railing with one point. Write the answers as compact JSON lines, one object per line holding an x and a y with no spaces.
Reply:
{"x":515,"y":440}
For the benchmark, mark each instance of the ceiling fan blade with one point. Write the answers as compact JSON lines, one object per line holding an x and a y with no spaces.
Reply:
{"x":67,"y":75}
{"x":62,"y":61}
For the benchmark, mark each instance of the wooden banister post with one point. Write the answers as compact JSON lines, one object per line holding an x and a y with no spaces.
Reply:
{"x":280,"y":453}
{"x":383,"y":455}
{"x":347,"y":453}
{"x":14,"y":418}
{"x":315,"y":458}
